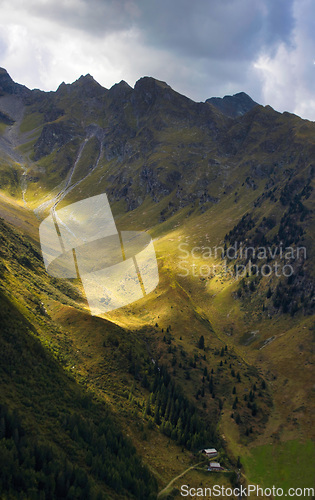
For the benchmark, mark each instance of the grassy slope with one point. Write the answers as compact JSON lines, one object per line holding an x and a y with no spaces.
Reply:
{"x":87,"y":347}
{"x":187,"y":305}
{"x":44,"y":397}
{"x":35,"y":367}
{"x":192,"y":306}
{"x":288,"y":376}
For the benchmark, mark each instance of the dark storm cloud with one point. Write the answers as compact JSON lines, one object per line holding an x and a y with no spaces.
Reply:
{"x":96,"y":17}
{"x":204,"y":28}
{"x":279,"y":22}
{"x":216,"y":29}
{"x":202,"y":48}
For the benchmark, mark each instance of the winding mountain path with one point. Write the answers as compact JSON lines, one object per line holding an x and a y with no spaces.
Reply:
{"x":162,"y":492}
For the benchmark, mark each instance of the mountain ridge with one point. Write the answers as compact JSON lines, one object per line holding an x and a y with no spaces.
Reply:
{"x":87,"y":81}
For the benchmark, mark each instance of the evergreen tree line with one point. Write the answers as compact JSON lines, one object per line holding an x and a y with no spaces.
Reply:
{"x":35,"y":469}
{"x":111,"y":457}
{"x":176,"y":416}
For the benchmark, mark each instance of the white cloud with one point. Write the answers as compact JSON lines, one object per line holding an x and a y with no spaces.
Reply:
{"x":203,"y":49}
{"x":288,"y":76}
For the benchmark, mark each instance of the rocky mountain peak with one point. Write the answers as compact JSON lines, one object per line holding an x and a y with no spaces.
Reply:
{"x":120,"y":90}
{"x":233,"y":105}
{"x":8,"y":86}
{"x":85,"y":85}
{"x":88,"y":86}
{"x":85,"y":80}
{"x":148,"y":84}
{"x":151,"y":92}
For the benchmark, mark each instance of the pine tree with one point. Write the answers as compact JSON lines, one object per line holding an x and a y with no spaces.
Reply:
{"x":201,"y":342}
{"x":148,"y":407}
{"x":2,"y":427}
{"x":157,"y":419}
{"x":235,"y":403}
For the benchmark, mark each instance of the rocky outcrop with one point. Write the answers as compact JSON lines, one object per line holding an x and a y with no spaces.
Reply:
{"x":233,"y":105}
{"x":85,"y":87}
{"x":54,"y":135}
{"x":8,"y":86}
{"x":4,"y":118}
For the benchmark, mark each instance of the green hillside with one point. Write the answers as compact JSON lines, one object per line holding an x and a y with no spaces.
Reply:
{"x":219,"y":355}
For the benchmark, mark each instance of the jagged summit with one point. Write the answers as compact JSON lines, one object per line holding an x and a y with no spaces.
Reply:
{"x":149,"y":80}
{"x":86,"y":85}
{"x":147,"y":89}
{"x":121,"y":85}
{"x":8,"y":86}
{"x":86,"y":80}
{"x":120,"y":90}
{"x":6,"y":82}
{"x":233,"y":105}
{"x":87,"y":77}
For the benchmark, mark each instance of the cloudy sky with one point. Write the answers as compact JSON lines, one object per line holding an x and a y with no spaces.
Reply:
{"x":202,"y":48}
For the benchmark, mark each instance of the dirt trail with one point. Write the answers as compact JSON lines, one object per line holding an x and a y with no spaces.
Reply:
{"x":177,"y":477}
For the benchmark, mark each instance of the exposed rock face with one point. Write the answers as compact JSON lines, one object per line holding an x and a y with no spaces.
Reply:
{"x":153,"y":186}
{"x":54,"y":135}
{"x":233,"y":105}
{"x":4,"y":118}
{"x":8,"y":86}
{"x":85,"y":87}
{"x":121,"y":91}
